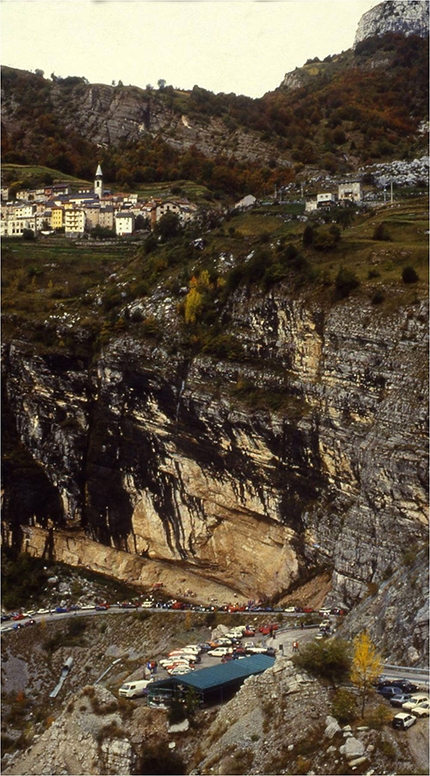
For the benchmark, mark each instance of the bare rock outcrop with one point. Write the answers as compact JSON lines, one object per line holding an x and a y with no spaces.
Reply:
{"x":87,"y":738}
{"x":409,"y":17}
{"x":160,"y":458}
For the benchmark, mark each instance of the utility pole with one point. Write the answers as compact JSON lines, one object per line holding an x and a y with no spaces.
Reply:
{"x":391,"y":190}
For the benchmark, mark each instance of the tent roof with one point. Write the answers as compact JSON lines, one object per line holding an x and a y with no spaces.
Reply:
{"x":222,"y":674}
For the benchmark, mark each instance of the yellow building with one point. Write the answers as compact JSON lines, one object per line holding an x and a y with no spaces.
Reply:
{"x":57,"y":218}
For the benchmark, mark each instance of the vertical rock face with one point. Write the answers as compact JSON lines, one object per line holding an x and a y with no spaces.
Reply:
{"x":409,"y":17}
{"x":312,"y":450}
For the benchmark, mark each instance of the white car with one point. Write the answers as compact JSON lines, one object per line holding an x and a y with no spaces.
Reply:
{"x":414,"y":701}
{"x":403,"y":721}
{"x":421,"y":709}
{"x":257,"y":650}
{"x":193,"y":648}
{"x":147,"y":604}
{"x":290,"y":609}
{"x":174,"y":661}
{"x":220,"y":651}
{"x":179,"y":670}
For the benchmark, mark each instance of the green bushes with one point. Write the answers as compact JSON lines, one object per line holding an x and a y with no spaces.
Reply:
{"x":409,"y":275}
{"x":330,"y":660}
{"x":23,"y":578}
{"x":381,"y":232}
{"x":72,"y":637}
{"x":344,"y":706}
{"x":345,"y":282}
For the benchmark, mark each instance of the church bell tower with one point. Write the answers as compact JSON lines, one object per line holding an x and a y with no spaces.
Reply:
{"x":98,"y":183}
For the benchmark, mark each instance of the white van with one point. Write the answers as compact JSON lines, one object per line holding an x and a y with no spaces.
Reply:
{"x":134,"y":689}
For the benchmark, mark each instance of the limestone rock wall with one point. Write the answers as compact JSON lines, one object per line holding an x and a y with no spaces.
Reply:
{"x":164,"y":458}
{"x":409,"y":17}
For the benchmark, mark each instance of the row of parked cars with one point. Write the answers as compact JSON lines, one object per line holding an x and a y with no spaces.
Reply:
{"x":406,"y":695}
{"x":229,"y":647}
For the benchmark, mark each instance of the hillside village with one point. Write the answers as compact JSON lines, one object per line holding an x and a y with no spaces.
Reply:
{"x":55,"y":208}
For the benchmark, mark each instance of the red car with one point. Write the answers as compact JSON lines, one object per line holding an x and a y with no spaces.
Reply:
{"x":249,"y":632}
{"x":307,"y":609}
{"x":19,"y":616}
{"x":267,"y":629}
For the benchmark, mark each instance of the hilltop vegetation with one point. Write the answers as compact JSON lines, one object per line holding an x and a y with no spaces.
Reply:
{"x":361,"y":106}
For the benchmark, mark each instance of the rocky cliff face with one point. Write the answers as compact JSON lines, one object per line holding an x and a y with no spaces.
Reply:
{"x":162,"y":456}
{"x":409,"y":17}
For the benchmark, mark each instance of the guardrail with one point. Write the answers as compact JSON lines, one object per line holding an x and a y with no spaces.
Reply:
{"x":406,"y":669}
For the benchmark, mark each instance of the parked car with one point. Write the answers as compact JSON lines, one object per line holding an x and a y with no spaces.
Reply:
{"x":248,"y":632}
{"x":179,"y":670}
{"x":421,"y":709}
{"x":267,"y":629}
{"x":414,"y":701}
{"x":404,"y":684}
{"x":60,"y":609}
{"x":389,"y":692}
{"x":290,"y":609}
{"x":257,"y":650}
{"x":220,"y":651}
{"x":399,"y":700}
{"x":403,"y":721}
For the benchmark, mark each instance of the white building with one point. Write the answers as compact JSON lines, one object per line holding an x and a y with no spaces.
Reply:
{"x":14,"y":226}
{"x":74,"y":222}
{"x":326,"y":198}
{"x":351,"y":191}
{"x":124,"y":223}
{"x":310,"y":205}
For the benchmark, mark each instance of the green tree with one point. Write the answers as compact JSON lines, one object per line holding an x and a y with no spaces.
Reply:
{"x":327,"y":659}
{"x":168,"y":226}
{"x":366,"y":666}
{"x":346,"y":281}
{"x":409,"y":275}
{"x":381,"y":233}
{"x":308,"y":236}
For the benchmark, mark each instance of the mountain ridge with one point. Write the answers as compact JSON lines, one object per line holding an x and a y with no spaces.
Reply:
{"x":362,"y":106}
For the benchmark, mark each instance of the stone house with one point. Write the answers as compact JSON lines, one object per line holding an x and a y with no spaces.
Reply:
{"x":106,"y":217}
{"x":92,"y":213}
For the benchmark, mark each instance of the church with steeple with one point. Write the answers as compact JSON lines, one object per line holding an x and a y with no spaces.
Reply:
{"x":98,"y":182}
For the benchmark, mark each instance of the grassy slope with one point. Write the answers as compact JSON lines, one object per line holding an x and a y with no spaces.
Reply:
{"x":43,"y":280}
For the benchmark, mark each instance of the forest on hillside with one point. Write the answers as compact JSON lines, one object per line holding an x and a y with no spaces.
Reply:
{"x":362,"y":106}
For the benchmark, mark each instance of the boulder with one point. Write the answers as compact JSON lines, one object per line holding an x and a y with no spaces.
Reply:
{"x":332,"y":727}
{"x":352,"y":748}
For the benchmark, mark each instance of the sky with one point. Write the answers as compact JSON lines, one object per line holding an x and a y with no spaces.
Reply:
{"x":245,"y":46}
